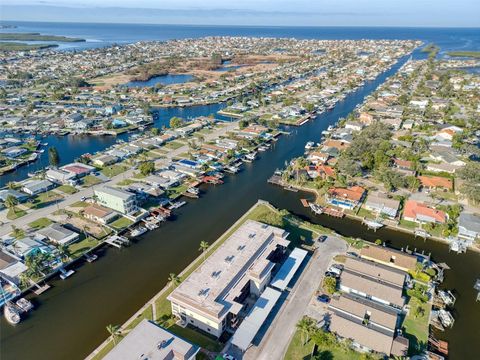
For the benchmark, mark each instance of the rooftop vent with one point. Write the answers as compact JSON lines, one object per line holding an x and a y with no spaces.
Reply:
{"x":241,"y":247}
{"x":251,"y":236}
{"x":230,"y":258}
{"x":204,"y":292}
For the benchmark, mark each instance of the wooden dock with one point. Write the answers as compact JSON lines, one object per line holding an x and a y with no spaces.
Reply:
{"x":334,"y":212}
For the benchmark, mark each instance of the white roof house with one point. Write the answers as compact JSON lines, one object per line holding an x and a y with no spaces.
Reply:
{"x":150,"y":341}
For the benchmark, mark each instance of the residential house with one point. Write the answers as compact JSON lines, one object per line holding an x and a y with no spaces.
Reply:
{"x":99,"y":214}
{"x":149,"y":341}
{"x":436,"y":182}
{"x":119,"y":200}
{"x":380,"y":204}
{"x":347,"y":198}
{"x":422,"y":213}
{"x":468,"y":226}
{"x":58,"y":234}
{"x":390,"y":257}
{"x":35,"y":187}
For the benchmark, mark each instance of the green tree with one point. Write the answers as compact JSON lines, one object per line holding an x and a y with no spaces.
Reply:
{"x":155,"y":131}
{"x":203,"y":248}
{"x":11,"y":203}
{"x":115,"y":333}
{"x":146,"y":168}
{"x":53,"y":157}
{"x":176,"y":122}
{"x":174,"y":279}
{"x":305,"y":326}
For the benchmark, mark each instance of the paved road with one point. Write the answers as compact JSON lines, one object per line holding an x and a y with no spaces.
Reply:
{"x":275,"y":342}
{"x":88,"y":192}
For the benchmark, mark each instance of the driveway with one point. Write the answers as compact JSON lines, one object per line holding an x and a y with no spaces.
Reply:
{"x":275,"y":342}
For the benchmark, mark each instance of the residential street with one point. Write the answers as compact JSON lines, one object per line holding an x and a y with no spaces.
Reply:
{"x":275,"y":342}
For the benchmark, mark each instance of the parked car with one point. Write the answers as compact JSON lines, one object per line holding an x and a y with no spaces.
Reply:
{"x":322,"y":238}
{"x":228,"y":357}
{"x":323,"y":298}
{"x":331,"y":274}
{"x":335,"y":270}
{"x":351,"y":253}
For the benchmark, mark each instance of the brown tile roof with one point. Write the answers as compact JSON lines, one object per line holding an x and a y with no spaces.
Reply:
{"x":376,"y":271}
{"x":354,"y":193}
{"x":384,"y":255}
{"x":436,"y":182}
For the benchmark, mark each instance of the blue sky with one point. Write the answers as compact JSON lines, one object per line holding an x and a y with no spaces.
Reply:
{"x":461,"y":13}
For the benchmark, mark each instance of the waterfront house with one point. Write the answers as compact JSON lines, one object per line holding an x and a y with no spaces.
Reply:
{"x":317,"y":157}
{"x":117,"y":199}
{"x":213,"y":296}
{"x":149,"y":341}
{"x":468,"y":226}
{"x":59,"y":176}
{"x":390,"y":257}
{"x":35,"y":187}
{"x":14,"y":152}
{"x":436,"y":182}
{"x":28,"y":246}
{"x":11,"y":269}
{"x":105,"y":160}
{"x":78,"y":169}
{"x":99,"y":214}
{"x":422,"y":213}
{"x":380,"y":204}
{"x":370,"y":327}
{"x":442,"y":167}
{"x":376,"y":282}
{"x":58,"y":234}
{"x":324,"y":171}
{"x":347,"y":198}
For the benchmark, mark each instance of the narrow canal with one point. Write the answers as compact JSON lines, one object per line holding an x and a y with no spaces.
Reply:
{"x":70,"y":318}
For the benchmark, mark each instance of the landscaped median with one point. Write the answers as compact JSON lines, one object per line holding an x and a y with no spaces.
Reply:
{"x":159,"y":308}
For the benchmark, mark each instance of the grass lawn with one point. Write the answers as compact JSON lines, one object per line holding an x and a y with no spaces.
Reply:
{"x":174,"y":192}
{"x":366,"y":214}
{"x":125,"y":182}
{"x":40,"y":223}
{"x":297,"y":351}
{"x":174,"y":145}
{"x":43,"y":199}
{"x":91,"y":180}
{"x":13,"y":214}
{"x":80,"y":204}
{"x":77,"y":249}
{"x":416,"y":326}
{"x":121,"y":223}
{"x":67,"y":189}
{"x":408,"y":224}
{"x":113,"y":170}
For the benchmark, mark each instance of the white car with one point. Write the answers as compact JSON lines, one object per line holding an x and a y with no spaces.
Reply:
{"x":228,"y":357}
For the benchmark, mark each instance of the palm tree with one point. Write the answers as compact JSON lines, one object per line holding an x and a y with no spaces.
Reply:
{"x":11,"y":203}
{"x":64,"y":252}
{"x":203,"y":248}
{"x":305,"y":327}
{"x":11,"y":185}
{"x":174,"y":279}
{"x":115,"y":333}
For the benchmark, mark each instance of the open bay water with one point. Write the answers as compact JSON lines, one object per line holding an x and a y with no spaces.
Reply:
{"x":70,"y":319}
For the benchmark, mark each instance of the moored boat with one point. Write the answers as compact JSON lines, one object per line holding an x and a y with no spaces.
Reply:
{"x":11,"y":313}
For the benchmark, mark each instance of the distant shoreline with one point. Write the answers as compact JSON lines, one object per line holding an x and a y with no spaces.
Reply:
{"x":18,"y":46}
{"x":34,"y":36}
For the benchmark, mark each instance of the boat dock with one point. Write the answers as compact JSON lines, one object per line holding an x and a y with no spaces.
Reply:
{"x":372,"y":224}
{"x":334,"y":212}
{"x":117,"y":241}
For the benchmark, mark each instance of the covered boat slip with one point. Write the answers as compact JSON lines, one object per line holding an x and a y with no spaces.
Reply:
{"x":255,"y":319}
{"x":288,"y":269}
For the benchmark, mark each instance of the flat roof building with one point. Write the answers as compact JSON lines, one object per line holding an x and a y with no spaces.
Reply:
{"x":119,"y":200}
{"x":390,"y":257}
{"x":148,"y":341}
{"x":212,"y":297}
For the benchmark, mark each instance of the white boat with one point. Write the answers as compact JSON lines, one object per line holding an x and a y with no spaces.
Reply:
{"x":309,"y":145}
{"x":325,"y":132}
{"x":446,"y":318}
{"x":232,"y":169}
{"x":151,"y":225}
{"x":251,"y":156}
{"x":66,"y":274}
{"x":447,"y":297}
{"x":193,"y":190}
{"x":138,"y":231}
{"x":177,"y":204}
{"x":11,"y":313}
{"x":91,"y":257}
{"x":24,"y":304}
{"x":262,"y":148}
{"x":330,"y":128}
{"x":317,"y":209}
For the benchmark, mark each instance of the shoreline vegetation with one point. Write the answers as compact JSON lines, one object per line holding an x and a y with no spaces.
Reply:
{"x":472,"y":54}
{"x":38,"y":37}
{"x":18,"y":46}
